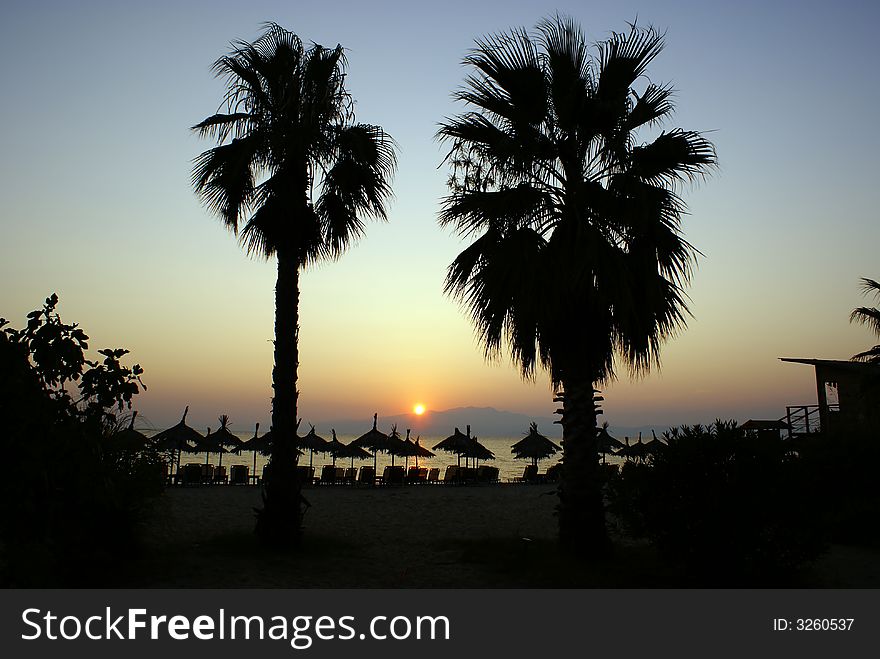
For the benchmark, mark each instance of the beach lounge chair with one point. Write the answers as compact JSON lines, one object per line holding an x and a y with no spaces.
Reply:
{"x":207,"y":473}
{"x":328,"y":475}
{"x":467,"y":474}
{"x":422,"y":476}
{"x":238,"y":475}
{"x":219,"y":475}
{"x":434,"y":475}
{"x":393,"y":475}
{"x":306,"y":474}
{"x":487,"y":474}
{"x":530,"y":474}
{"x":350,"y":475}
{"x":451,"y":475}
{"x":192,"y":474}
{"x":367,"y":476}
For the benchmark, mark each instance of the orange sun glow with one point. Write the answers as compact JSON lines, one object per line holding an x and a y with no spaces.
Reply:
{"x":419,"y":409}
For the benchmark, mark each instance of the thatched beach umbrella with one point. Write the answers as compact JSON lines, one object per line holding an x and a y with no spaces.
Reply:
{"x":313,"y":442}
{"x":335,"y":448}
{"x":178,"y":438}
{"x":256,"y":444}
{"x":534,"y":446}
{"x":479,"y":452}
{"x":129,"y":439}
{"x":464,"y":445}
{"x":209,"y":445}
{"x":636,"y":451}
{"x":223,"y":439}
{"x":339,"y":450}
{"x":395,"y":446}
{"x":457,"y":443}
{"x":372,"y":440}
{"x":416,"y":449}
{"x":605,"y":442}
{"x":654,"y":446}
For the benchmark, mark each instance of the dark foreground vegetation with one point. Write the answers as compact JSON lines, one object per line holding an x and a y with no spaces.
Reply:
{"x":71,"y":500}
{"x":738,"y":509}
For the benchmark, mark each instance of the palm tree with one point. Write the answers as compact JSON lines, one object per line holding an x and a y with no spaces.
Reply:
{"x":869,"y":316}
{"x":292,"y":176}
{"x":578,"y":258}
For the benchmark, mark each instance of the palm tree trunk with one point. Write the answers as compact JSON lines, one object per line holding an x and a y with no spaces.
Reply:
{"x":581,"y":512}
{"x":279,"y":522}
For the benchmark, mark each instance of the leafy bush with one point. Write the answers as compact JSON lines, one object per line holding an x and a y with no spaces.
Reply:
{"x":69,"y":501}
{"x":731,"y":508}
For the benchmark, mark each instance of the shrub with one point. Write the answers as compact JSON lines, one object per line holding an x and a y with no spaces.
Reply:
{"x":69,"y":500}
{"x":731,"y":508}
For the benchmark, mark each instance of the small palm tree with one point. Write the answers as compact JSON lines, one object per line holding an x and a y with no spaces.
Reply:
{"x":292,"y":175}
{"x":577,"y":255}
{"x":869,"y":316}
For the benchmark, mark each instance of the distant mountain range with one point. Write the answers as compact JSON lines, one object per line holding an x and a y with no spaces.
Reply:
{"x":484,"y":422}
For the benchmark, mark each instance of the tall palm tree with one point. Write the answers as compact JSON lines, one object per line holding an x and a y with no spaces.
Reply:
{"x":292,"y":176}
{"x":869,"y":316}
{"x":578,"y":258}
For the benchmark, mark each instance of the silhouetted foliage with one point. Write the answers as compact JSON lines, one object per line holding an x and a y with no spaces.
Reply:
{"x":296,"y":174}
{"x":577,"y":257}
{"x":869,"y":316}
{"x":733,"y":509}
{"x":70,"y":501}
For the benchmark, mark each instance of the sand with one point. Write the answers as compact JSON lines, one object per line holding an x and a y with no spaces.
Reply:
{"x":412,"y":536}
{"x":431,"y":536}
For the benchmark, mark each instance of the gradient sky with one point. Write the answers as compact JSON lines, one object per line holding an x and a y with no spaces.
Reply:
{"x":97,"y":204}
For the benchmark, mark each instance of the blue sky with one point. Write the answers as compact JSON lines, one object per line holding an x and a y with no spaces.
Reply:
{"x":94,"y":175}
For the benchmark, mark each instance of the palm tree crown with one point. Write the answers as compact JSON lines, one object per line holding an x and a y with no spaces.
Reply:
{"x":869,"y":316}
{"x":291,"y":165}
{"x":578,"y":253}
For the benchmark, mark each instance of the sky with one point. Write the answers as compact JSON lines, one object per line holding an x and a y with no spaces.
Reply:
{"x":97,"y":204}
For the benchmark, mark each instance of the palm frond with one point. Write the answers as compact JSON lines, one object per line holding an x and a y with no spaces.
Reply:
{"x":672,"y":157}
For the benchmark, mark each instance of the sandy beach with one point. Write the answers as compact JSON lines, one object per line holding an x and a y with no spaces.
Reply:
{"x":407,"y":537}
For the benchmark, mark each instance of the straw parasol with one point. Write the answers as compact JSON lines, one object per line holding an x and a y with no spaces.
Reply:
{"x":465,"y":445}
{"x":339,"y":450}
{"x":372,"y":440}
{"x":397,"y":446}
{"x":256,"y":444}
{"x":223,"y":439}
{"x":130,"y":439}
{"x":417,"y":450}
{"x":313,"y":442}
{"x":605,"y":442}
{"x":654,"y":446}
{"x":457,"y":443}
{"x":178,"y":438}
{"x":209,"y":446}
{"x":636,"y":451}
{"x":534,"y":446}
{"x":478,"y":452}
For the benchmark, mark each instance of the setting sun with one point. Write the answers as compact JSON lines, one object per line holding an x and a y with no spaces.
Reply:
{"x":419,"y":409}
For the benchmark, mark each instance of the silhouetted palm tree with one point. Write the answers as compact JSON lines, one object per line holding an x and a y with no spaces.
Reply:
{"x":578,"y":255}
{"x":292,"y":176}
{"x":869,"y":316}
